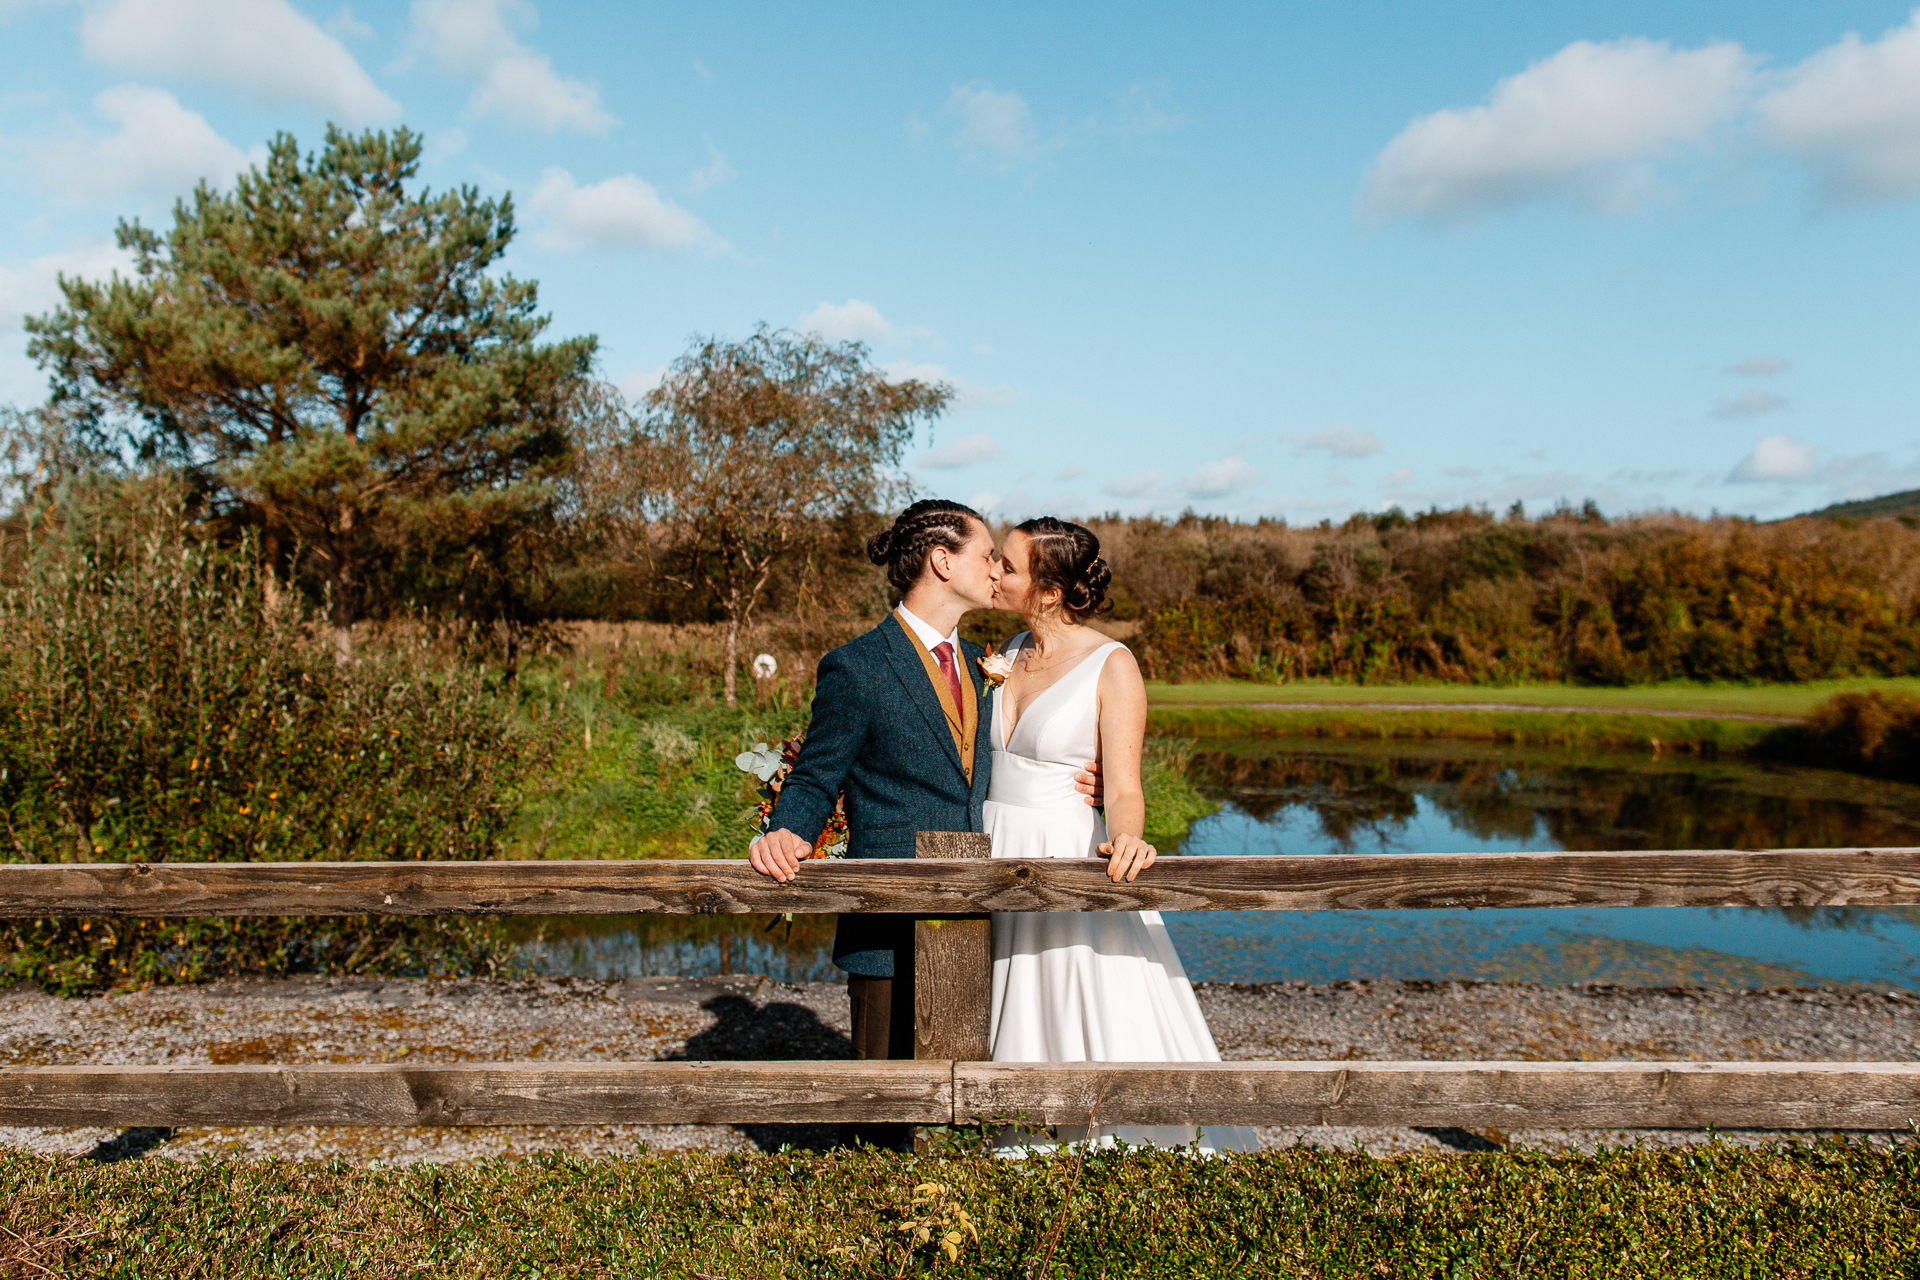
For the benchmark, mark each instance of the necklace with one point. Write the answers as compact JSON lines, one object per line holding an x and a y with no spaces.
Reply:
{"x":1030,"y":667}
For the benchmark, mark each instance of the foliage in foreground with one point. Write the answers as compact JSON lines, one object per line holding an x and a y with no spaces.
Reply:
{"x":1835,"y":1208}
{"x":161,"y":701}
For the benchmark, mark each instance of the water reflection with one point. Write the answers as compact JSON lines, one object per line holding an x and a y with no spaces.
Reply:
{"x":648,"y":945}
{"x":1305,"y":798}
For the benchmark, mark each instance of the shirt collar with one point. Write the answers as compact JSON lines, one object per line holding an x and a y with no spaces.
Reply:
{"x":928,"y":636}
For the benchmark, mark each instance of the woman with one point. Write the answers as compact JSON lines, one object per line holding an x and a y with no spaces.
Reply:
{"x":1070,"y":986}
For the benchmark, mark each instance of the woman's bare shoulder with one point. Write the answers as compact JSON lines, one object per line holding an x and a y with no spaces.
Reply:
{"x":1121,"y":665}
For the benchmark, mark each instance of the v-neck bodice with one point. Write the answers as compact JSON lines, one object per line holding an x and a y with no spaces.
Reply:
{"x":1053,"y":739}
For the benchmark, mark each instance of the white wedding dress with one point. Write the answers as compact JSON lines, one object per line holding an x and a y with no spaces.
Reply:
{"x":1081,"y":986}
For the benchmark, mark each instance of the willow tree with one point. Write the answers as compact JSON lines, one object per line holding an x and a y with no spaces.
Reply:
{"x":748,"y":450}
{"x":326,"y":349}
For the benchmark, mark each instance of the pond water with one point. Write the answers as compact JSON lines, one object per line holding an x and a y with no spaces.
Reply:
{"x":1313,"y":797}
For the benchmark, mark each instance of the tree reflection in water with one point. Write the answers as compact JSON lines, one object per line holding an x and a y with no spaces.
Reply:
{"x":1370,"y":797}
{"x":1565,"y":800}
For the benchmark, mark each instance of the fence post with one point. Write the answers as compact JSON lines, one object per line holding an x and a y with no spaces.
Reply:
{"x":952,"y":965}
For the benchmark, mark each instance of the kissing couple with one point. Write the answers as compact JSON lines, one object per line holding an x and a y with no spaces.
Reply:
{"x":907,"y":725}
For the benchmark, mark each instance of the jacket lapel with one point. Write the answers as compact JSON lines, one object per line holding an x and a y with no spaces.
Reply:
{"x":906,"y":663}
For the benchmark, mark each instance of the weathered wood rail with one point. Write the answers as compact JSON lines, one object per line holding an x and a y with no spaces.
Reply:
{"x":1503,"y":1095}
{"x":950,"y":886}
{"x":1878,"y":877}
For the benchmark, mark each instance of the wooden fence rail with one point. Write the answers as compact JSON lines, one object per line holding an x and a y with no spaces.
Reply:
{"x":949,"y":887}
{"x":1878,"y":877}
{"x":1503,"y":1095}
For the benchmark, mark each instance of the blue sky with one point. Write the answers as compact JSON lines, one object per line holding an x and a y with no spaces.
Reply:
{"x":1256,"y":260}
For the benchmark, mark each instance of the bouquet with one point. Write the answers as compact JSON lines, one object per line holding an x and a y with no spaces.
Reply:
{"x":772,"y":764}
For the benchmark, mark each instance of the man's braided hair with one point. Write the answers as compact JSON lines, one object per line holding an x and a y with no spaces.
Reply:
{"x":903,"y":548}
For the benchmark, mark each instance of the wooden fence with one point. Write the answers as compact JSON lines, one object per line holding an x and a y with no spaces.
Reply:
{"x":948,"y":889}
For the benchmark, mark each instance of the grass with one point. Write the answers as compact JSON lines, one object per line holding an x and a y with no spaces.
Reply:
{"x":636,"y":776}
{"x":1835,"y":1208}
{"x":1707,"y":699}
{"x":1621,"y":731}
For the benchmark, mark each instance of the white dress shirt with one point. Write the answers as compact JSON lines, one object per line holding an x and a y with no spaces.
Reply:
{"x":928,"y":636}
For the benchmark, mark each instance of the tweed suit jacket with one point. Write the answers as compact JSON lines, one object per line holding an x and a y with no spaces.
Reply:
{"x":879,"y":735}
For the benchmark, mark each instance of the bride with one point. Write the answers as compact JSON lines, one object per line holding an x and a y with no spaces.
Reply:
{"x":1071,"y":986}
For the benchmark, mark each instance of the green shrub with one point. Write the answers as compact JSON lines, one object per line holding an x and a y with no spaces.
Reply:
{"x":161,"y":701}
{"x":1875,"y":733}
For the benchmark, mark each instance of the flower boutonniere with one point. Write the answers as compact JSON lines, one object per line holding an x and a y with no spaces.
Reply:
{"x":996,"y":667}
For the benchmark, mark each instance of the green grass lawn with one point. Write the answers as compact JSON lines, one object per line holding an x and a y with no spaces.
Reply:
{"x":1712,"y":1210}
{"x":1707,"y":699}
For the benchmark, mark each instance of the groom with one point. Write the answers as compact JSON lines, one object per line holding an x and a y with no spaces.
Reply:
{"x":901,"y":723}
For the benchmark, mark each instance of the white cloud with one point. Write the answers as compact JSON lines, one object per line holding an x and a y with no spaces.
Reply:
{"x":1339,"y":441}
{"x":158,"y":147}
{"x":851,"y":321}
{"x":1144,"y":109}
{"x":475,"y":39}
{"x":1218,"y":479}
{"x":716,"y":172}
{"x":1068,"y":472}
{"x":619,"y":213}
{"x":1759,"y":367}
{"x":1146,"y":485}
{"x":967,"y":395}
{"x":265,"y":49}
{"x":986,"y":501}
{"x":1751,"y":403}
{"x":1561,"y":486}
{"x":991,"y":120}
{"x":1397,"y":484}
{"x":1780,"y":459}
{"x":32,"y":287}
{"x":636,"y":385}
{"x":971,"y":452}
{"x":1587,"y":125}
{"x":1852,"y":113}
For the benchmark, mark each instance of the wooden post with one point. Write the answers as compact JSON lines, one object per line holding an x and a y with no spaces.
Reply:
{"x":952,"y":972}
{"x":952,"y":965}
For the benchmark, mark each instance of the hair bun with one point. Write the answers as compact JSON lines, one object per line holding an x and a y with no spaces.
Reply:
{"x":880,"y":546}
{"x":1066,"y":556}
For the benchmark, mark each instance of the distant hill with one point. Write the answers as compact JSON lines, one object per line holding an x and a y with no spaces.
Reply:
{"x":1904,"y":503}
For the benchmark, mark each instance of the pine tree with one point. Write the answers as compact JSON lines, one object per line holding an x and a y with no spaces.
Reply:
{"x":327,"y":352}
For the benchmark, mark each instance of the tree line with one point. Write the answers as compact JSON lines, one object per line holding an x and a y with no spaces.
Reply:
{"x":329,"y":368}
{"x":330,"y":361}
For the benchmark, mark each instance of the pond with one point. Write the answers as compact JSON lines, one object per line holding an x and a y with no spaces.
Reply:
{"x":1312,"y":797}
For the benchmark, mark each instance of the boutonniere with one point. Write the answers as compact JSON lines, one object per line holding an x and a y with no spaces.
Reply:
{"x":996,"y":667}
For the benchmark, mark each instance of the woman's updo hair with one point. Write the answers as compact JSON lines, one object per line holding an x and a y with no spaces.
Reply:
{"x":903,"y":548}
{"x":1067,"y":556}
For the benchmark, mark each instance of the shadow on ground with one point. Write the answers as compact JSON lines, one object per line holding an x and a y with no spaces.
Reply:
{"x":745,"y":1030}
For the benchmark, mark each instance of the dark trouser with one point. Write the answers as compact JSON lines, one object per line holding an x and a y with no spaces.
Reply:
{"x":882,"y":1029}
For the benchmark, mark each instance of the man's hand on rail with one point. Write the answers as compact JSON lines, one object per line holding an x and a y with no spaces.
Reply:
{"x":1087,"y":782}
{"x":779,"y":854}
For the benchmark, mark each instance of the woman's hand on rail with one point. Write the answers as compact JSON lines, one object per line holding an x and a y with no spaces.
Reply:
{"x":1127,"y":856}
{"x":779,"y":854}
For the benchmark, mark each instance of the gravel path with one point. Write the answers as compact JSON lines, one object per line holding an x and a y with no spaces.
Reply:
{"x":366,"y":1020}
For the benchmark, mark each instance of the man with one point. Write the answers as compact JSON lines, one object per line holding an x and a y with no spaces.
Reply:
{"x":901,"y":724}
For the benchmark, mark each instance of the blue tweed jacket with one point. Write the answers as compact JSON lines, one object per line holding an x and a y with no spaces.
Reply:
{"x":878,"y":734}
